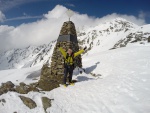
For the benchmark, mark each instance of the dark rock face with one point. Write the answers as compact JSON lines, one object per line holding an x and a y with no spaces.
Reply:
{"x":46,"y":103}
{"x":52,"y":76}
{"x":28,"y":102}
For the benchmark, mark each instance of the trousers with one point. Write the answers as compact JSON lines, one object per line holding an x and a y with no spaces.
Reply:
{"x":68,"y":70}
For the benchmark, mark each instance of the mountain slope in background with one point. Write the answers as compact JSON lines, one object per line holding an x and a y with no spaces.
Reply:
{"x":114,"y":34}
{"x":27,"y":57}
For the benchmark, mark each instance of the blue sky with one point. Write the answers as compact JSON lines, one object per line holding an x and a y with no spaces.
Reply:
{"x":35,"y":22}
{"x":25,"y":11}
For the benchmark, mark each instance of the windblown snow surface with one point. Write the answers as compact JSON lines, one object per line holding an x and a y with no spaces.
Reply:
{"x":121,"y":85}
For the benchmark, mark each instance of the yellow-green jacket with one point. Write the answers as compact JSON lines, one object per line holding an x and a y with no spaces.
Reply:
{"x":69,"y":59}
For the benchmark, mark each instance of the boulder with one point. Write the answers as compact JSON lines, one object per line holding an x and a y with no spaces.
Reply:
{"x":24,"y":89}
{"x":22,"y":84}
{"x":28,"y":102}
{"x":5,"y":87}
{"x":8,"y":84}
{"x":46,"y":103}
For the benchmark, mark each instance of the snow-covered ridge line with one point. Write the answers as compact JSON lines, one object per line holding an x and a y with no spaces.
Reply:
{"x":100,"y":38}
{"x":106,"y":36}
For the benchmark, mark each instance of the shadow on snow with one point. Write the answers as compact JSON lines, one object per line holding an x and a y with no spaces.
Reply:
{"x":88,"y":70}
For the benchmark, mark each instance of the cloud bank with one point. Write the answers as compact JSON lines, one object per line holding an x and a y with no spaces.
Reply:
{"x":47,"y":29}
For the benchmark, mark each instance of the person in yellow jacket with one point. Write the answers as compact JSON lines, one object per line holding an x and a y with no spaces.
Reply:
{"x":69,"y":63}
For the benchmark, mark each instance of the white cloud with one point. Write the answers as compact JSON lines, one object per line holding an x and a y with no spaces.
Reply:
{"x":2,"y":16}
{"x":48,"y":28}
{"x":58,"y":12}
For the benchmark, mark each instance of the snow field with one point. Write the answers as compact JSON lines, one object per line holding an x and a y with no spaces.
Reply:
{"x":123,"y":87}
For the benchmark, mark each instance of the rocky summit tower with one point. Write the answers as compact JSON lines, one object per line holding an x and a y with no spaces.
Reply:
{"x":52,"y":76}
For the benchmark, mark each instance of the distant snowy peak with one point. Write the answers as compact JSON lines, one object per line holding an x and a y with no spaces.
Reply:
{"x":116,"y":25}
{"x":104,"y":36}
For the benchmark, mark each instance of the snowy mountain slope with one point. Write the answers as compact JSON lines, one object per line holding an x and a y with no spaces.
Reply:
{"x":139,"y":36}
{"x":114,"y":34}
{"x":27,"y":57}
{"x":106,"y":35}
{"x":123,"y":87}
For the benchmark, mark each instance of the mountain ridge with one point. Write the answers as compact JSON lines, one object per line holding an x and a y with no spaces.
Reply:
{"x":109,"y":35}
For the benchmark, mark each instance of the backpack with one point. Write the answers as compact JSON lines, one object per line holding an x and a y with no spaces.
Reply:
{"x":72,"y":55}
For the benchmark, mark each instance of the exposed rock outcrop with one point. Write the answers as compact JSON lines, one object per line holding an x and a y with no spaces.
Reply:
{"x":138,"y":36}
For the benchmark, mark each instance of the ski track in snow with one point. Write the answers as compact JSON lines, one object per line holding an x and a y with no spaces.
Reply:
{"x":124,"y":86}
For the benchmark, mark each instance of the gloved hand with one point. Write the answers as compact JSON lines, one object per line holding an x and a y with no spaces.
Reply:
{"x":85,"y":48}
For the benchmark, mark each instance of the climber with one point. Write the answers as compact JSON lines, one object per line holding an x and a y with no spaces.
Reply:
{"x":69,"y":63}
